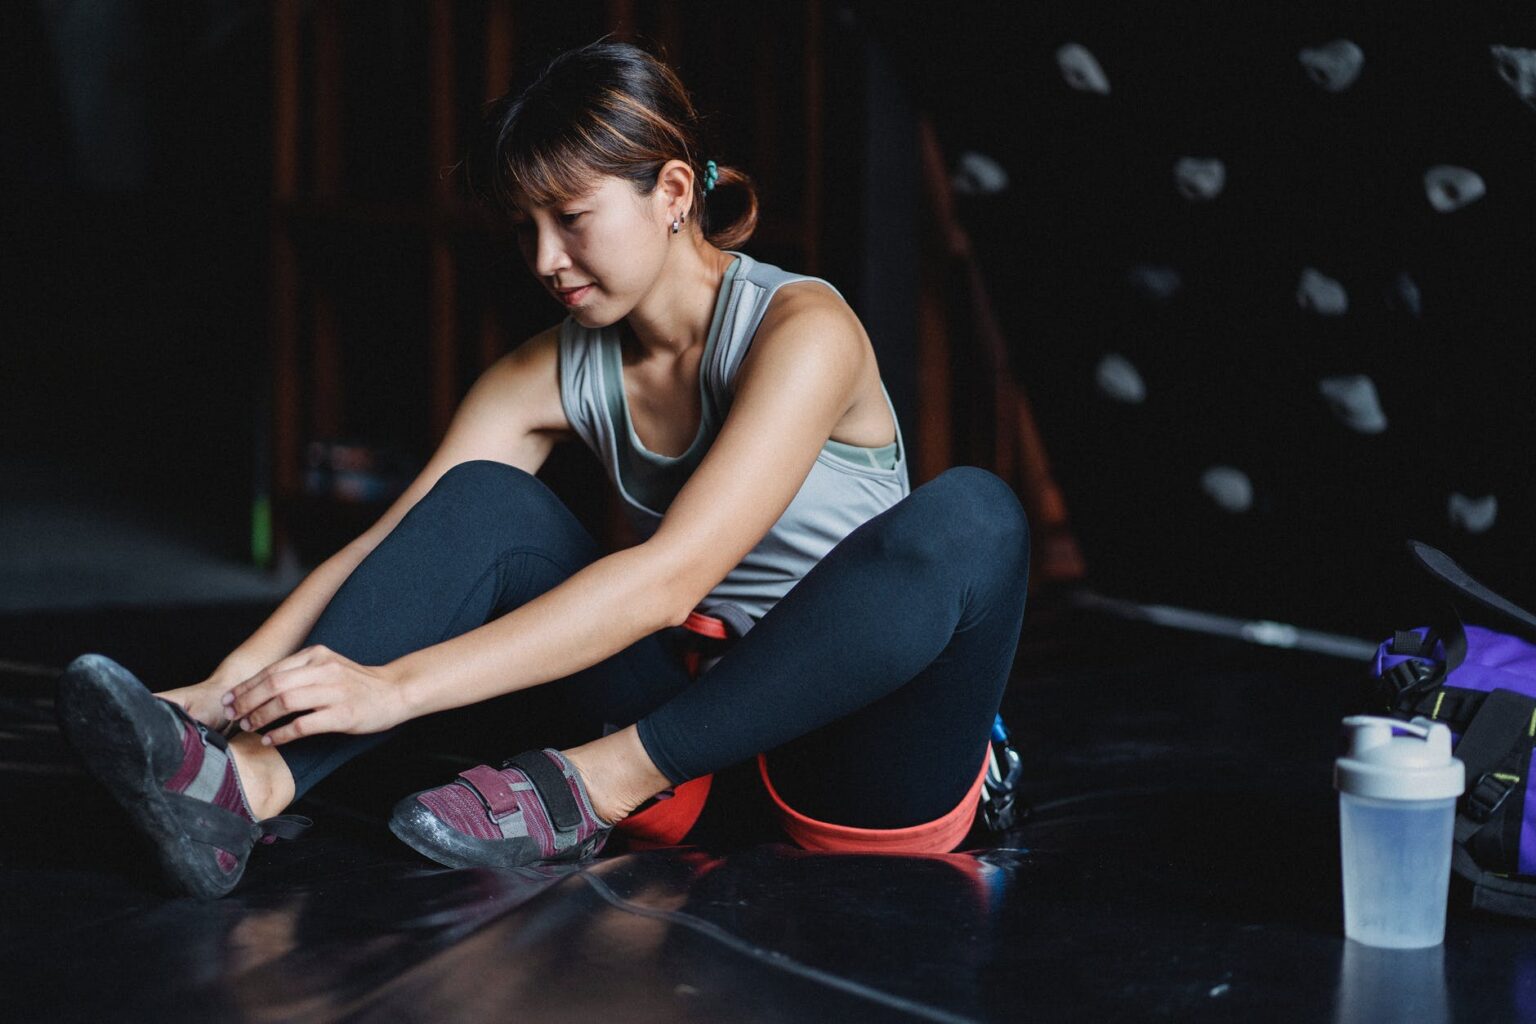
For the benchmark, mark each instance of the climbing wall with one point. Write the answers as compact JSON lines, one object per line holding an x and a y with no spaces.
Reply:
{"x":1271,"y":282}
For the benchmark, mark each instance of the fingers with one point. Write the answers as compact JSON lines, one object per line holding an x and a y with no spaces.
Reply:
{"x":292,"y":700}
{"x":325,"y":720}
{"x":257,"y":690}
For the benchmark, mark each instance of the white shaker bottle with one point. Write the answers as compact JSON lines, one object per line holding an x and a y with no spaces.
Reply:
{"x":1397,"y":816}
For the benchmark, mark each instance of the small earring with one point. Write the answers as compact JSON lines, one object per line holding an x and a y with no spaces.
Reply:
{"x":677,"y":225}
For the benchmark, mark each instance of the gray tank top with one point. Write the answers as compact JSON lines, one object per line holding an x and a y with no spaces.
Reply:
{"x":847,"y":484}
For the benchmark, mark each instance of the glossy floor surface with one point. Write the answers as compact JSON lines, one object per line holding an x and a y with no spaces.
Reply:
{"x":1180,"y":864}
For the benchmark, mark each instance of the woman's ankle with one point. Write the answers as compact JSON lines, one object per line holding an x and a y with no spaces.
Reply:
{"x":264,"y":775}
{"x":617,"y":772}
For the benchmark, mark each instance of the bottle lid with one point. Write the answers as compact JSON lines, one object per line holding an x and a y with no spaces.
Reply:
{"x":1415,"y":766}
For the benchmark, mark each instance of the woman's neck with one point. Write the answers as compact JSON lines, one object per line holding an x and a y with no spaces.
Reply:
{"x":674,"y":318}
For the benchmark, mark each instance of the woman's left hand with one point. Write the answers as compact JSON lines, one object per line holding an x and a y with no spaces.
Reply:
{"x":330,"y":693}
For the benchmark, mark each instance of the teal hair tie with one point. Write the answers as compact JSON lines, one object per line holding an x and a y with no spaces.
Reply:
{"x":711,"y":175}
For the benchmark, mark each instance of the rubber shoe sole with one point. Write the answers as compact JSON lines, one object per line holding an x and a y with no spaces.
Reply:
{"x":128,"y":744}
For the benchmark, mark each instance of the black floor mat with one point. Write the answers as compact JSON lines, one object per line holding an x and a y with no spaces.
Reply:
{"x":1181,"y":863}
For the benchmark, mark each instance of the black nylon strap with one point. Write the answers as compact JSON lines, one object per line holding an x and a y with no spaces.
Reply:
{"x":1492,"y":892}
{"x":1407,"y":643}
{"x":1440,"y":565}
{"x":285,"y":826}
{"x":1449,"y":704}
{"x":549,"y":781}
{"x":1503,"y":721}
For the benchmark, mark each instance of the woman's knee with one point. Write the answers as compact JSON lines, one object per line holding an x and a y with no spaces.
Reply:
{"x":485,"y":498}
{"x":485,"y":488}
{"x":981,"y":514}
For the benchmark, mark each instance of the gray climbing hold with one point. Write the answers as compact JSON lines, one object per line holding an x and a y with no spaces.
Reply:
{"x":1200,"y":179}
{"x":1335,"y":65}
{"x":1321,"y":294}
{"x":1450,"y":188}
{"x":1229,"y":488}
{"x":1154,"y":280}
{"x":1354,"y":401}
{"x":1475,"y":515}
{"x":1403,"y":294}
{"x":1518,"y":68}
{"x":1118,"y":379}
{"x":978,"y":175}
{"x":1081,"y":70}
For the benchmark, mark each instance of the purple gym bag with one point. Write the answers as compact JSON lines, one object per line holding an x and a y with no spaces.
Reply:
{"x":1480,"y":681}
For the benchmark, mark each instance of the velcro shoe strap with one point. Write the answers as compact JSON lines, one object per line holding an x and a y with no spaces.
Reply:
{"x":549,"y":781}
{"x":284,"y":826}
{"x":493,"y":787}
{"x":213,"y":825}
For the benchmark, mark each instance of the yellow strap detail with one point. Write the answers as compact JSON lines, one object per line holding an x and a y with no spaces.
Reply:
{"x":1511,"y":779}
{"x":1441,"y":700}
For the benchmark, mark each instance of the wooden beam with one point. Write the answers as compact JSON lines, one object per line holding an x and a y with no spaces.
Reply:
{"x":499,"y":50}
{"x":326,"y":394}
{"x":814,"y":155}
{"x":500,"y":47}
{"x":621,"y":20}
{"x":285,"y":289}
{"x":444,"y":324}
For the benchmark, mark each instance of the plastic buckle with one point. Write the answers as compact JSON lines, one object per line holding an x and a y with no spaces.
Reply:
{"x":1000,"y":809}
{"x":1406,"y":677}
{"x":1488,"y":794}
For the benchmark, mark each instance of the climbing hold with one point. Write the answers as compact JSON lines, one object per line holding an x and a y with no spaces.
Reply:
{"x":1518,"y":69}
{"x":1321,"y":294}
{"x":1475,"y":515}
{"x":978,"y":175}
{"x":1229,"y":488}
{"x":1118,"y":379}
{"x":1355,"y":402}
{"x":1450,"y":188}
{"x":1154,"y":280}
{"x":1335,"y":65}
{"x":1200,"y":179}
{"x":1081,"y":70}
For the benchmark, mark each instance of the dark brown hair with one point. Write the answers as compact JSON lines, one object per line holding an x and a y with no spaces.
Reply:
{"x":604,"y":108}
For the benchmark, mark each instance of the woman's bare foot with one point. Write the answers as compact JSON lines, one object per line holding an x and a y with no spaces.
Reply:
{"x":618,"y":773}
{"x":268,"y":784}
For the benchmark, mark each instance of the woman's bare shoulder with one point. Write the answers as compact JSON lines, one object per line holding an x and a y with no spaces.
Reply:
{"x":528,"y":377}
{"x":812,"y":304}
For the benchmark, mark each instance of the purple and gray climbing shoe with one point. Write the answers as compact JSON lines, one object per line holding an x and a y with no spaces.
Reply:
{"x":173,"y":776}
{"x":534,"y":808}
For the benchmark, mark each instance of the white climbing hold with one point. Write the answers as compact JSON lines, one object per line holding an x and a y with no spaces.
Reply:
{"x":1403,"y":294}
{"x":1200,"y":179}
{"x":1518,"y":68}
{"x":1450,"y":188}
{"x":1335,"y":65}
{"x":978,"y":175}
{"x":1229,"y":488}
{"x":1354,"y":401}
{"x":1119,"y":380}
{"x":1081,"y":70}
{"x":1475,"y":515}
{"x":1155,"y":281}
{"x":1321,"y":294}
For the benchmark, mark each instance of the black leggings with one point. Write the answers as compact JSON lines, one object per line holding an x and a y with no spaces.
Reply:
{"x":871,"y":685}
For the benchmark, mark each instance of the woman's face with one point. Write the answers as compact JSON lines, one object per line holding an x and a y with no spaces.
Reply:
{"x":608,"y":245}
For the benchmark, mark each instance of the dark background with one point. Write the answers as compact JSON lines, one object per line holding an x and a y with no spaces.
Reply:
{"x":137,"y":172}
{"x":1231,"y":363}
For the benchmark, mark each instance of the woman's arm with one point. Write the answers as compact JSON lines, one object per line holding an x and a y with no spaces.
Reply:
{"x":512,"y":414}
{"x":796,"y":382}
